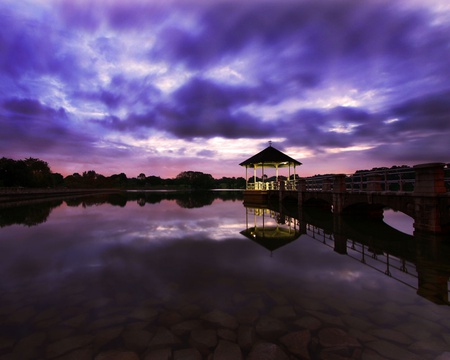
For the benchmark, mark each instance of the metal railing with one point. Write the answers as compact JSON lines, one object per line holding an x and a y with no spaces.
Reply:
{"x":395,"y":267}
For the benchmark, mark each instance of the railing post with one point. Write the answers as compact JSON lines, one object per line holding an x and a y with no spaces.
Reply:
{"x":374,"y":183}
{"x":429,"y":179}
{"x":326,"y":185}
{"x":339,"y":185}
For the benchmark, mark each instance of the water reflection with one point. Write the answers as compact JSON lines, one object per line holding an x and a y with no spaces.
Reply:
{"x":141,"y":274}
{"x":274,"y":231}
{"x":420,"y":261}
{"x":36,"y":212}
{"x":399,"y":221}
{"x":29,"y":214}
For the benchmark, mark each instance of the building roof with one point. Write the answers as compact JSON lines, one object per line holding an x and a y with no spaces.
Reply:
{"x":270,"y":157}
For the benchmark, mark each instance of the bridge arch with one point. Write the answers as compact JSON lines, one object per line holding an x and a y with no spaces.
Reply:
{"x":318,"y":202}
{"x":364,"y":209}
{"x":376,"y":204}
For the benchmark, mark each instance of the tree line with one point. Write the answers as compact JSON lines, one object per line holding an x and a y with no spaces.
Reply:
{"x":36,"y":173}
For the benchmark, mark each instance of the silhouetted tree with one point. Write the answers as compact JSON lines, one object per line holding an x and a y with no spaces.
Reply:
{"x":73,"y":181}
{"x":195,"y":179}
{"x":118,"y":180}
{"x":30,"y":172}
{"x":13,"y":173}
{"x":140,"y":181}
{"x":57,"y":180}
{"x":154,"y":181}
{"x":39,"y":173}
{"x":230,"y":183}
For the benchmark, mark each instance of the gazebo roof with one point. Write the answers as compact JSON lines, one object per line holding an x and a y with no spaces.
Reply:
{"x":270,"y":157}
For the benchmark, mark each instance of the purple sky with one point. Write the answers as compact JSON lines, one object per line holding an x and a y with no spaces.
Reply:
{"x":161,"y":87}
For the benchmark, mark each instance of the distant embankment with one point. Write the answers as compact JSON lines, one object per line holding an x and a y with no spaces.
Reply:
{"x":20,"y":194}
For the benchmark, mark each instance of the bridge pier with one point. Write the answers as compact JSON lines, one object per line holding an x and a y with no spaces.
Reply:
{"x":281,"y":191}
{"x":338,"y":194}
{"x":430,"y":210}
{"x":301,"y":189}
{"x":340,"y":239}
{"x":432,"y":277}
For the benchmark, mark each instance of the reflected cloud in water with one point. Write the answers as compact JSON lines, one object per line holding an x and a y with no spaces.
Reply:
{"x":145,"y":250}
{"x":79,"y":231}
{"x":399,"y":221}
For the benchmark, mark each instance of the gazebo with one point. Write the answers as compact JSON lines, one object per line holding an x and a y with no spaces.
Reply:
{"x":269,"y":158}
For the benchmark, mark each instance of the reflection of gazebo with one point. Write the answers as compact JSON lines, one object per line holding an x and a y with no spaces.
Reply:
{"x":269,"y":158}
{"x":271,"y":236}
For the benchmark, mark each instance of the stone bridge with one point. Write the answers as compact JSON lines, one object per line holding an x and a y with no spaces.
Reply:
{"x":428,"y":204}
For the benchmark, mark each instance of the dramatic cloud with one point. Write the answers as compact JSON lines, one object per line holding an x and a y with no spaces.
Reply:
{"x":165,"y":86}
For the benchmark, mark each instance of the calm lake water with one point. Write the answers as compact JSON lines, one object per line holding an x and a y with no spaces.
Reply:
{"x":166,"y":275}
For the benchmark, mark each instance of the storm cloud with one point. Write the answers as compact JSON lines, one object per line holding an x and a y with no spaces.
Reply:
{"x":161,"y":87}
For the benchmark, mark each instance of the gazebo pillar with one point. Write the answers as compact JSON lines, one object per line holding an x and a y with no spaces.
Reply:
{"x":262,"y":174}
{"x":246,"y":177}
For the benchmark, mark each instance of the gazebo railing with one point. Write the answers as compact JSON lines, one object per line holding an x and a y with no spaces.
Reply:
{"x":272,"y":185}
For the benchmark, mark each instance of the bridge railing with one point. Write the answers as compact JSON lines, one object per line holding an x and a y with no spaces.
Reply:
{"x":397,"y":180}
{"x":401,"y":179}
{"x":382,"y":180}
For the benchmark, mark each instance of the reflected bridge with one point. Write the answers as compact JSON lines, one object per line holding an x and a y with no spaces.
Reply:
{"x":408,"y":259}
